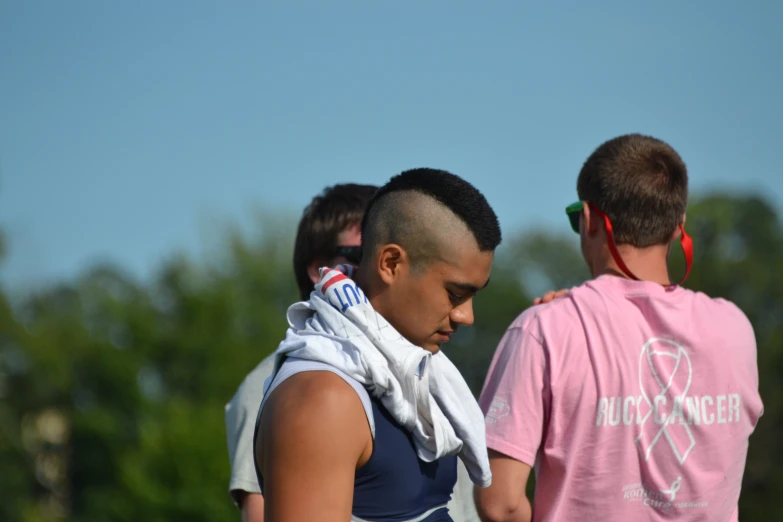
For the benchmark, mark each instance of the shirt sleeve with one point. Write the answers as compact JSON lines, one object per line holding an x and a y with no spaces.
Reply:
{"x":241,"y":414}
{"x":515,"y":396}
{"x":240,"y":428}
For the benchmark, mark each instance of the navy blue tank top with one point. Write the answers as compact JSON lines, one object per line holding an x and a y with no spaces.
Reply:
{"x":394,"y":485}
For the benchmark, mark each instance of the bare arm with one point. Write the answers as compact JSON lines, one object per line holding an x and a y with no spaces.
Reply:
{"x":505,"y":499}
{"x":314,"y":434}
{"x":252,"y":507}
{"x":516,"y":399}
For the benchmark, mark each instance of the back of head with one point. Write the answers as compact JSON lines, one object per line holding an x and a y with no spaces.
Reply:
{"x":331,"y":212}
{"x":641,"y":184}
{"x":420,"y":203}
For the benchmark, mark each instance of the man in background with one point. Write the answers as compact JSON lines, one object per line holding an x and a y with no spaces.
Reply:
{"x":328,"y":234}
{"x":632,"y":397}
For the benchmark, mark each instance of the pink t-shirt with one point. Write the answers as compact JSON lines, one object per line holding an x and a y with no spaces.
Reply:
{"x":630,"y":400}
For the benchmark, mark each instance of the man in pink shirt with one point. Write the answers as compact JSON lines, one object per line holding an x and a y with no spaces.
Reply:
{"x":631,"y":397}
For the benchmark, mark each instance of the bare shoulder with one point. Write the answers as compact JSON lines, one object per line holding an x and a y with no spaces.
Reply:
{"x":315,"y":409}
{"x":317,"y":395}
{"x":313,"y":435}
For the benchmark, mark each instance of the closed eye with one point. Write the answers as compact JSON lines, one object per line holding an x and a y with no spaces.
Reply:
{"x":467,"y":291}
{"x":454,"y":297}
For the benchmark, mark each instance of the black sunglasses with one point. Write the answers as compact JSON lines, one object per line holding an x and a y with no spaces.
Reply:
{"x":352,"y":253}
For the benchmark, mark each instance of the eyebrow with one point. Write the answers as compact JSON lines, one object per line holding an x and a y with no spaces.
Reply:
{"x":467,"y":287}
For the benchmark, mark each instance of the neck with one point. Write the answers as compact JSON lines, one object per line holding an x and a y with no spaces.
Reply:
{"x":364,"y":282}
{"x":647,"y":264}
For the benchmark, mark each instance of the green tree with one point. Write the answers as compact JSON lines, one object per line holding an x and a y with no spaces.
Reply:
{"x":112,"y":391}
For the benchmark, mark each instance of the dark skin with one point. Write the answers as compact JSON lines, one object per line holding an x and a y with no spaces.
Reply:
{"x":252,"y":504}
{"x":314,"y":433}
{"x":427,"y":308}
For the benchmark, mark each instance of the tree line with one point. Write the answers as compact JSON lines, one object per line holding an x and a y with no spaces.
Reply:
{"x":112,"y":391}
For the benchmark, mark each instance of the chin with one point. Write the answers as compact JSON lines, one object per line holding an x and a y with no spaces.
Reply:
{"x":430,"y":347}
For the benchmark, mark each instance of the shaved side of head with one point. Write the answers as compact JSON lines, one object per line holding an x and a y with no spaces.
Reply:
{"x":432,"y":214}
{"x":428,"y":243}
{"x":424,"y":227}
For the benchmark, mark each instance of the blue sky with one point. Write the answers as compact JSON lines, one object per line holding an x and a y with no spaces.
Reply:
{"x":126,"y":127}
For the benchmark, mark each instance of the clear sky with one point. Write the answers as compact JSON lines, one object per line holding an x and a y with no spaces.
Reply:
{"x":126,"y":126}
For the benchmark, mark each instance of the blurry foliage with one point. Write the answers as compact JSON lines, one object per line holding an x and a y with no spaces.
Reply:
{"x":112,"y":392}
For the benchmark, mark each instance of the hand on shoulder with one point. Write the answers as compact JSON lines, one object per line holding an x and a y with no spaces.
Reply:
{"x":550,"y":296}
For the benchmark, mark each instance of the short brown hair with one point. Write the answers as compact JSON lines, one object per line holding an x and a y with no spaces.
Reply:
{"x":329,"y":213}
{"x":641,"y":183}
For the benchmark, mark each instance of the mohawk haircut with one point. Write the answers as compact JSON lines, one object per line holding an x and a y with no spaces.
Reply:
{"x":393,"y":216}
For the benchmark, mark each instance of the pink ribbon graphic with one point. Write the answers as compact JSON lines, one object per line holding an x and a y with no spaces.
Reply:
{"x":663,"y":386}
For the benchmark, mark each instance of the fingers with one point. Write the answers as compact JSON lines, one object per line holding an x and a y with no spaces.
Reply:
{"x":550,"y":296}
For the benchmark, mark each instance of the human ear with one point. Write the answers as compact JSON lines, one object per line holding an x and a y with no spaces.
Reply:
{"x":676,"y":233}
{"x":391,"y":261}
{"x":591,"y":225}
{"x":313,"y":271}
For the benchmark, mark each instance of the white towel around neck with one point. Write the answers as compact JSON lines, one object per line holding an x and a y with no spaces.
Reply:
{"x":424,"y":392}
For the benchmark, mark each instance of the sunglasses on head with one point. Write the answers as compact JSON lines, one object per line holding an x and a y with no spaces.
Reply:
{"x":352,"y":253}
{"x":574,"y":213}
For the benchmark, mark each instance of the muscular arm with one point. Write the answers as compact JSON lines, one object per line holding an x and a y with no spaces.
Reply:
{"x":314,"y":434}
{"x":505,"y":499}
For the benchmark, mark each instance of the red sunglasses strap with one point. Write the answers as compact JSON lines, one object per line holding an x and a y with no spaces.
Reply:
{"x":613,"y":249}
{"x":685,"y":240}
{"x":687,"y":251}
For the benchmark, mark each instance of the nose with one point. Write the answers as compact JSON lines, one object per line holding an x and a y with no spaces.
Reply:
{"x":462,"y":314}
